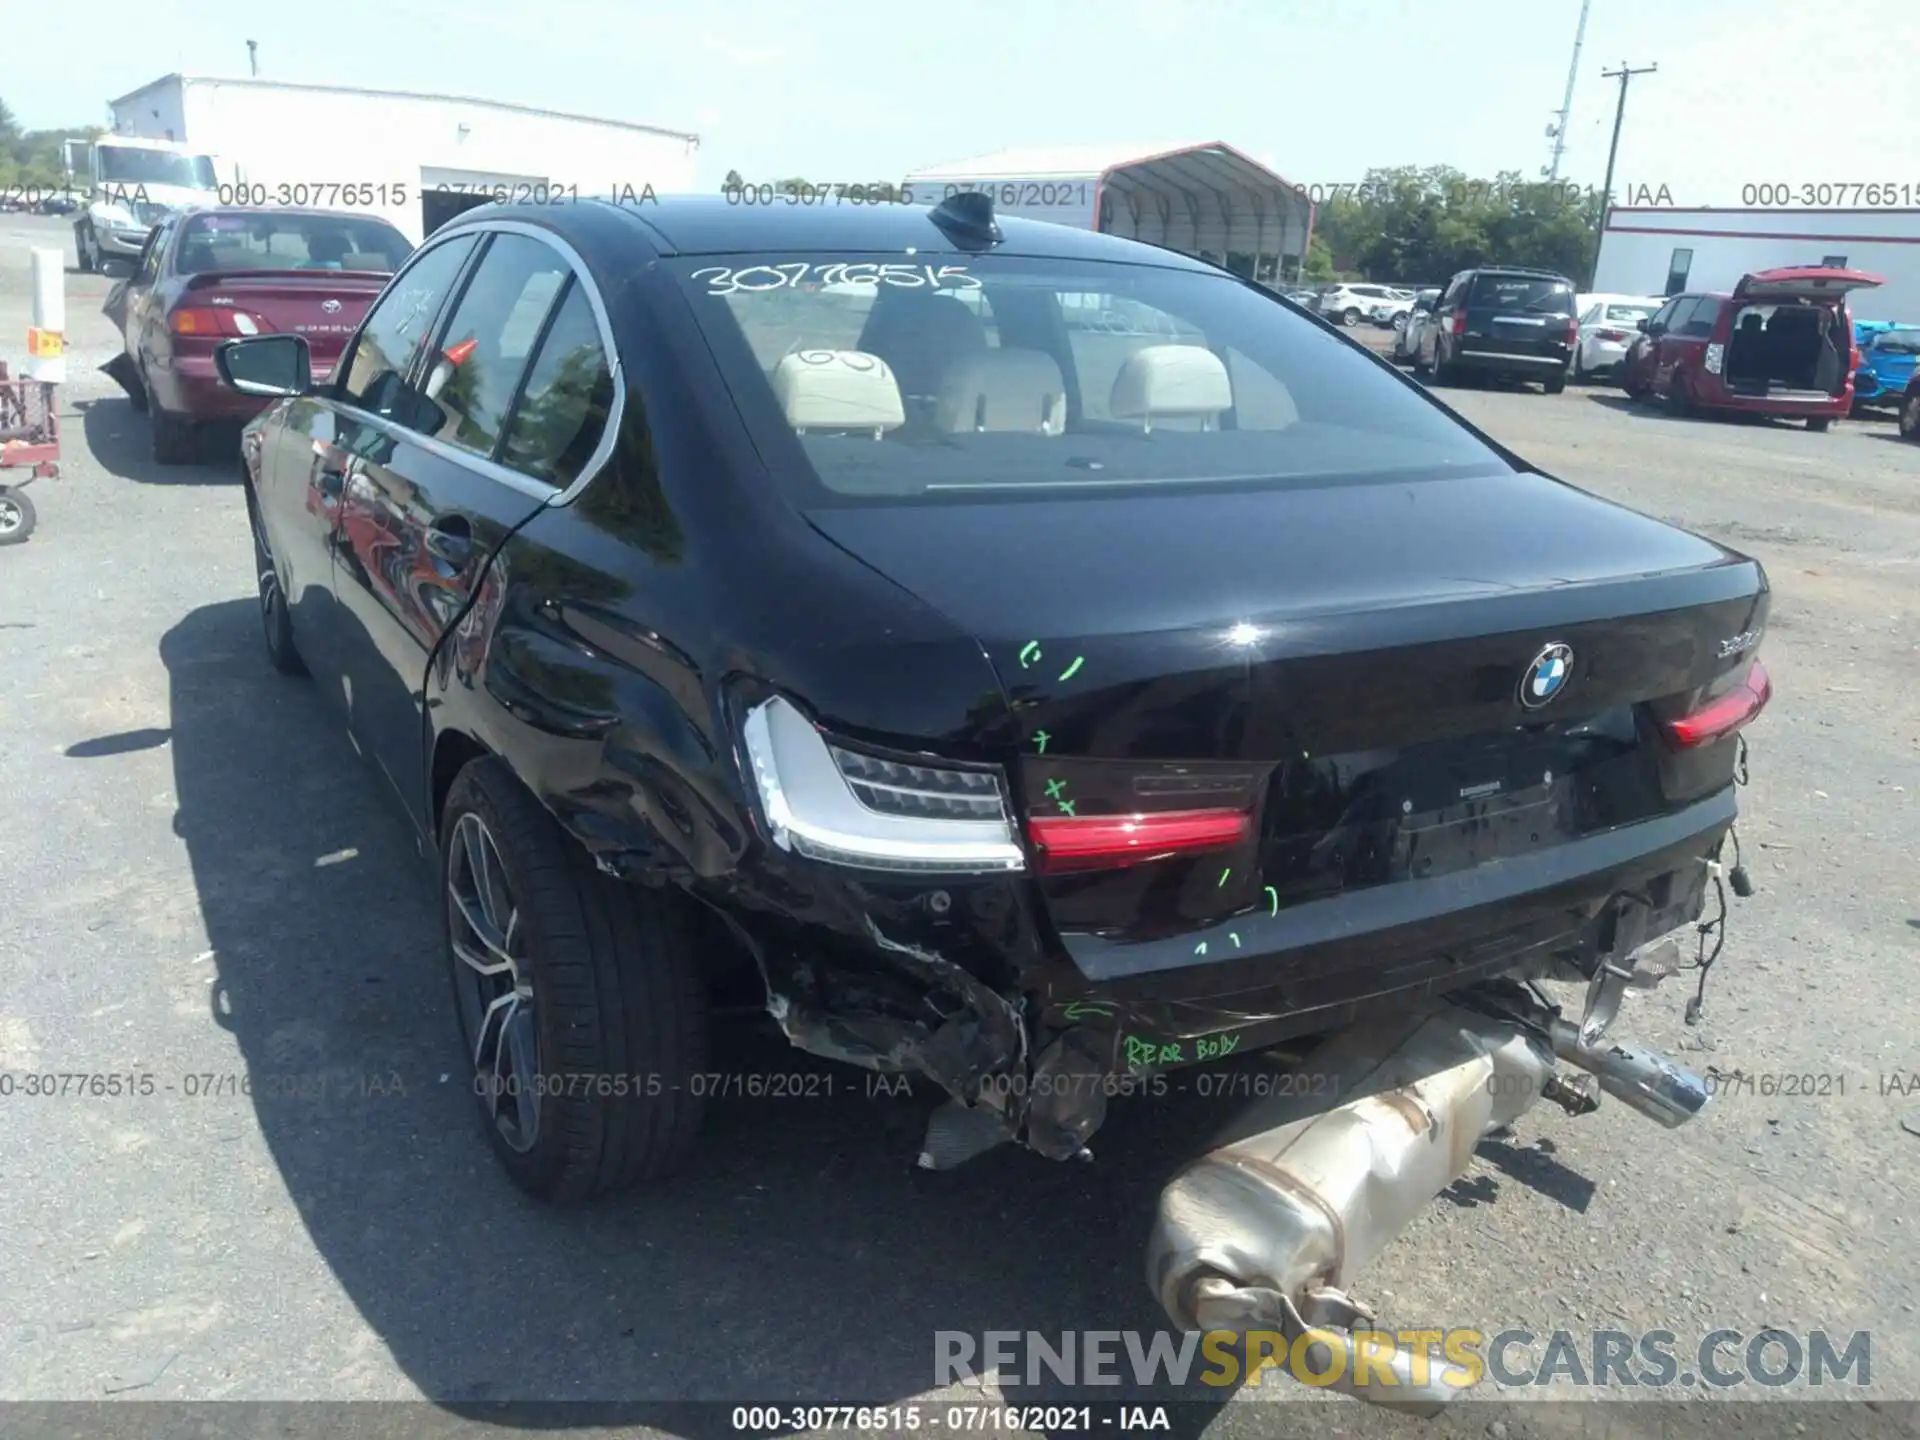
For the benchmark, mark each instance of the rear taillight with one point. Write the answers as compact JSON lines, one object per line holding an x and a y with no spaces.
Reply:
{"x":1112,"y":842}
{"x":215,"y":320}
{"x":1727,"y":714}
{"x":1459,"y":322}
{"x":1612,"y":337}
{"x":1573,"y":331}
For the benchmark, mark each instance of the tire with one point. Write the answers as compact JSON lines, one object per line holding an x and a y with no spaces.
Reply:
{"x":1557,"y":384}
{"x":1820,"y":424}
{"x":175,"y":441}
{"x":1443,"y":373}
{"x":275,"y":620}
{"x":1580,"y":375}
{"x":83,"y":253}
{"x":604,"y":992}
{"x":1678,"y":400}
{"x":1350,"y":317}
{"x":17,"y":517}
{"x":1909,"y":420}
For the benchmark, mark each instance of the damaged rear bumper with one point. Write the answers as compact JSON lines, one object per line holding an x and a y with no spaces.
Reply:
{"x":1031,"y":1035}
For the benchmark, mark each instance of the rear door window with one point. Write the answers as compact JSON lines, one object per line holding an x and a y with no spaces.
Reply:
{"x":489,"y":338}
{"x":1522,"y":295}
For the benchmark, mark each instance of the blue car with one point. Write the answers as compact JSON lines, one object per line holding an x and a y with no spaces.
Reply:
{"x":1888,"y":356}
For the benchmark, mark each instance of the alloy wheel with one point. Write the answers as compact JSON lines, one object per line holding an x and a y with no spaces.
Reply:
{"x":12,"y":517}
{"x":492,"y":982}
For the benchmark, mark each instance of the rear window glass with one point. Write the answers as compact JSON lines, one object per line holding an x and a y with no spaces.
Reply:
{"x":1898,"y":342}
{"x":263,"y":240}
{"x":1630,"y":313}
{"x":1522,"y":294}
{"x":872,"y":380}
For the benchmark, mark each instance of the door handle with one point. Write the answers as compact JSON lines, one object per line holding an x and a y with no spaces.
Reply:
{"x":450,"y":540}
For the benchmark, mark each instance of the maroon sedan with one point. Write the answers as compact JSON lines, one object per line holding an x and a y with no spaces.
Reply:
{"x":211,"y":275}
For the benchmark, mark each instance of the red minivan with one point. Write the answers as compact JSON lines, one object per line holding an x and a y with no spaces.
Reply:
{"x":1780,"y":344}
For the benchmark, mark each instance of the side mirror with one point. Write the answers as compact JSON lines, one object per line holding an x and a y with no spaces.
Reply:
{"x":272,"y":365}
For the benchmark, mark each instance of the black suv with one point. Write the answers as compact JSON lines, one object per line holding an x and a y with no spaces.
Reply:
{"x":1502,"y":320}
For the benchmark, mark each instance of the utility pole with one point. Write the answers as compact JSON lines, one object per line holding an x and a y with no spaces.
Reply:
{"x":1624,"y":74}
{"x":253,"y":57}
{"x":1558,"y":130}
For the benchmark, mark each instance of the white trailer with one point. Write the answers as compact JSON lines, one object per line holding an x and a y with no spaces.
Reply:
{"x":416,"y":160}
{"x":1203,"y":198}
{"x":1653,"y":250}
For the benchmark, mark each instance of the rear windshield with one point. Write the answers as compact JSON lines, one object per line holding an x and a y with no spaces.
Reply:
{"x":869,"y":379}
{"x":1522,"y":294}
{"x":262,"y":240}
{"x":1631,"y":313}
{"x":1898,"y":342}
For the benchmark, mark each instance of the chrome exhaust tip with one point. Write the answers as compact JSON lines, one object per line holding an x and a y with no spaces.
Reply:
{"x":1649,"y":1082}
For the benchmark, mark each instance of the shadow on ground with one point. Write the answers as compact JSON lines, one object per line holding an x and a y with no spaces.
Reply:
{"x":121,"y":440}
{"x":802,"y":1258}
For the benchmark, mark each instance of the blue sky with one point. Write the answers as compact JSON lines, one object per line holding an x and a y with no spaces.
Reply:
{"x":1748,"y":90}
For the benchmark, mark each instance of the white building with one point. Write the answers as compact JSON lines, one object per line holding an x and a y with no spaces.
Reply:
{"x":416,"y":160}
{"x":1659,"y":251}
{"x":1202,"y":198}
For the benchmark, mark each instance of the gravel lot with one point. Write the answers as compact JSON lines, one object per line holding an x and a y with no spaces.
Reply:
{"x":206,"y":880}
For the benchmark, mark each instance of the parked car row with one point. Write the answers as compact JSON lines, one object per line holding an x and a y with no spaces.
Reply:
{"x":1781,"y":343}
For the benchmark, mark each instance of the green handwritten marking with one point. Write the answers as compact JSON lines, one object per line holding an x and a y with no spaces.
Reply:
{"x":1273,"y":901}
{"x":1170,"y":1053}
{"x":1223,"y":877}
{"x":1029,"y":653}
{"x":1066,"y":807}
{"x":1056,"y":788}
{"x":1234,"y":936}
{"x":1201,"y":948}
{"x":1041,"y":738}
{"x":1080,"y":1009}
{"x":1074,"y":668}
{"x":1215,"y":1047}
{"x":1140,"y":1052}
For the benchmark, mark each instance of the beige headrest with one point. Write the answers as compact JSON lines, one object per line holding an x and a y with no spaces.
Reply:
{"x":1002,"y":390}
{"x":1186,"y":380}
{"x":838,"y":390}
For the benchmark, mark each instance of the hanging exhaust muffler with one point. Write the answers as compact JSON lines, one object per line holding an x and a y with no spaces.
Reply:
{"x":1266,"y":1231}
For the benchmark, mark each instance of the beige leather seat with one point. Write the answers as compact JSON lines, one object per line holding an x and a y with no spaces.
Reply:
{"x":1018,"y":391}
{"x":838,"y":390}
{"x":1184,"y":384}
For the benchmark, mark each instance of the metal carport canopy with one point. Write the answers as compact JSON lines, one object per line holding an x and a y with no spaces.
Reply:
{"x":1203,"y":198}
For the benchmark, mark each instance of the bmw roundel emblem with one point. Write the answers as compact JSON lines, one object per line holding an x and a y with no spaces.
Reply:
{"x":1547,"y":676}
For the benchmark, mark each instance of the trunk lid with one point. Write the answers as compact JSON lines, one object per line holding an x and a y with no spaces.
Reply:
{"x":324,"y":306}
{"x":1344,"y":662}
{"x":1803,"y":282}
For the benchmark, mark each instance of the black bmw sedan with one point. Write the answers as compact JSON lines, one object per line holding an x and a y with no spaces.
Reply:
{"x":1007,"y":654}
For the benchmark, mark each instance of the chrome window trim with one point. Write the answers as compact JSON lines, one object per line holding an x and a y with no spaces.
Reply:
{"x":492,"y":469}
